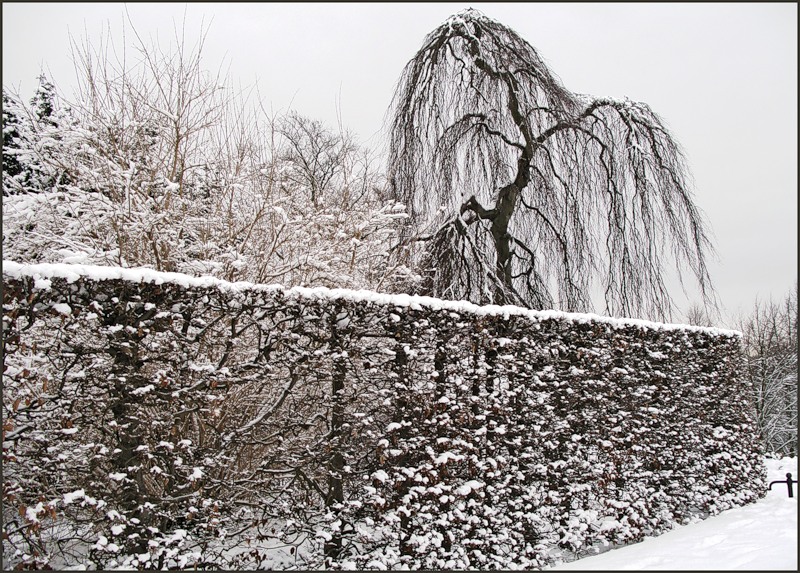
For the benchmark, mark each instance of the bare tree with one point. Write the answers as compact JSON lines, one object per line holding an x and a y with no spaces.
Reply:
{"x":699,"y":315}
{"x":316,"y":156}
{"x":770,"y":348}
{"x":523,"y":192}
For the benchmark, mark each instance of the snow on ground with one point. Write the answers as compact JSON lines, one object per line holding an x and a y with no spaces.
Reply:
{"x":758,"y":537}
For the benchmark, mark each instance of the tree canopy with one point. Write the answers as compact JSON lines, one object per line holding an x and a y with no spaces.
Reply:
{"x":520,"y":191}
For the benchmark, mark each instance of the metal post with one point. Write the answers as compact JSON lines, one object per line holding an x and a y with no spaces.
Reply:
{"x":789,"y":481}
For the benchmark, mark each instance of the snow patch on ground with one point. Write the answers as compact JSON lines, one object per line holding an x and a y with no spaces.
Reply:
{"x":758,"y":537}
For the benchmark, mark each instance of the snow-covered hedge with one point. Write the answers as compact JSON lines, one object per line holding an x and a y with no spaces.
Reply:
{"x":157,"y":420}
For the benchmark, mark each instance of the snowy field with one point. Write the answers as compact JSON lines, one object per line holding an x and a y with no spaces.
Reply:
{"x":758,"y":537}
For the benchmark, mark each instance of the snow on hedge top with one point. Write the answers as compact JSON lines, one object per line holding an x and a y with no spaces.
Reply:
{"x":71,"y":272}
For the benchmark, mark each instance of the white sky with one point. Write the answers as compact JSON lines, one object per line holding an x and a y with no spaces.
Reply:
{"x":723,"y":76}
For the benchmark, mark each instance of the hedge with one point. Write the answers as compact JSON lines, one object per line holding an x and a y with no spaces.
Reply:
{"x":155,"y":420}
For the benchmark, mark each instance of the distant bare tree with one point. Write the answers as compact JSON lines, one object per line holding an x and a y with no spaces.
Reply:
{"x":699,"y":315}
{"x":770,"y":346}
{"x":523,"y":192}
{"x":316,"y":155}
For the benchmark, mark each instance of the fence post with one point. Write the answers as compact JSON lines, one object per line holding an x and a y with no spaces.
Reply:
{"x":788,"y":481}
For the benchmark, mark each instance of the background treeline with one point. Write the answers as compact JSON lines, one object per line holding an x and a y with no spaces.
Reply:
{"x":162,"y":164}
{"x":770,"y":347}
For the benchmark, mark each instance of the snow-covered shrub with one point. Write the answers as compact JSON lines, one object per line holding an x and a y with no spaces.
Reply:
{"x":158,"y":420}
{"x":159,"y":163}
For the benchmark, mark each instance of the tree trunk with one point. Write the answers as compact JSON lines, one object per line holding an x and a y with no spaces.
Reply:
{"x":335,"y":494}
{"x":336,"y":461}
{"x":506,"y":203}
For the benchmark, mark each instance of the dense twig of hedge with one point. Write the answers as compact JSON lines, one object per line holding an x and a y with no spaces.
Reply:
{"x":163,"y":423}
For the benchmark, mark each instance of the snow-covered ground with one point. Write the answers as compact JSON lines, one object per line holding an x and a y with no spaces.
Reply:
{"x":758,"y":537}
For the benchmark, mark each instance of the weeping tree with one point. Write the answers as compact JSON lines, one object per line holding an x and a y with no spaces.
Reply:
{"x":522,"y":192}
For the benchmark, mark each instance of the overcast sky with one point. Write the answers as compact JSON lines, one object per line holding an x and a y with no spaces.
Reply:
{"x":722,"y":76}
